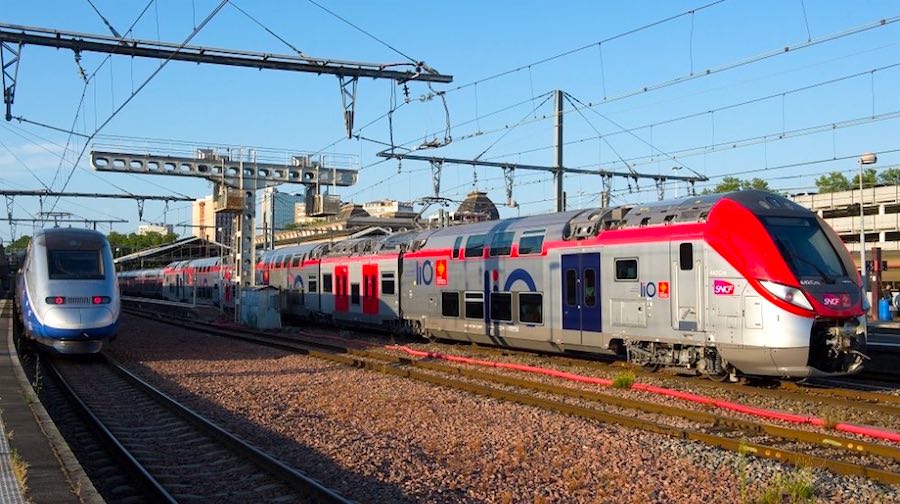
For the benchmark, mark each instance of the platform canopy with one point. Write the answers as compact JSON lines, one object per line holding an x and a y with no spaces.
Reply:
{"x":191,"y":247}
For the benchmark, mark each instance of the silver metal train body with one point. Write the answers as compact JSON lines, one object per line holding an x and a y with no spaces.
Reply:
{"x":746,"y":282}
{"x":66,"y":292}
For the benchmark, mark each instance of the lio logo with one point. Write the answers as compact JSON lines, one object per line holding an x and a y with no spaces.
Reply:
{"x":424,"y":273}
{"x":648,"y":289}
{"x":723,"y":288}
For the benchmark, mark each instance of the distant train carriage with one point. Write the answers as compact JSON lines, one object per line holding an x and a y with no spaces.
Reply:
{"x":740,"y":283}
{"x":66,"y":291}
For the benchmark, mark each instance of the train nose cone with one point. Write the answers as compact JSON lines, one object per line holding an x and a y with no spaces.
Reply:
{"x":79,"y":318}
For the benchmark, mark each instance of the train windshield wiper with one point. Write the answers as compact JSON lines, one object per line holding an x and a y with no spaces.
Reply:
{"x":825,"y":276}
{"x":788,"y":255}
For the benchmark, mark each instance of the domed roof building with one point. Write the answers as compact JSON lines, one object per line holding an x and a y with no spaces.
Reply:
{"x":476,"y":207}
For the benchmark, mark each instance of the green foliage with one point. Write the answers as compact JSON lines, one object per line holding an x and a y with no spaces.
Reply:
{"x":20,"y":243}
{"x":890,"y":176}
{"x":832,"y":182}
{"x":870,"y":178}
{"x":796,"y":487}
{"x":123,"y":244}
{"x":731,"y":184}
{"x":623,"y":380}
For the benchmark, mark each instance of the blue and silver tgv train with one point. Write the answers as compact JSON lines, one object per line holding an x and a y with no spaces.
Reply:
{"x":66,"y":291}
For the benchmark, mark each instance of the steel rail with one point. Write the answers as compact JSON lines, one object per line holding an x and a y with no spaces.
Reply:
{"x":154,"y":488}
{"x":403,"y":367}
{"x":292,"y":477}
{"x":303,"y":483}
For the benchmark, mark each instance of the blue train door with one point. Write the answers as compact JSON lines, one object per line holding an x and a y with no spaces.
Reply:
{"x":581,"y":292}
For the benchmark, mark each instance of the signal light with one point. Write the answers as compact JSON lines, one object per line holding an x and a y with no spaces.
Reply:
{"x":55,"y":300}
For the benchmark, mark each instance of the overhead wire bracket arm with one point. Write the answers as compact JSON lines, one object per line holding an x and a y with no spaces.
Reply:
{"x":60,"y":39}
{"x":9,"y":60}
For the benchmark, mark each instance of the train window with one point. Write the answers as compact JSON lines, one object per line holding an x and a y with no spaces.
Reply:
{"x":74,"y":265}
{"x":450,"y":304}
{"x":531,"y":307}
{"x":387,"y":283}
{"x":326,"y":283}
{"x":686,"y":256}
{"x":531,"y":243}
{"x":626,"y":269}
{"x":354,"y":293}
{"x":590,"y":287}
{"x":475,"y":305}
{"x":501,"y":306}
{"x":457,"y":244}
{"x":475,"y":246}
{"x":501,"y":244}
{"x":313,"y":284}
{"x":295,"y":261}
{"x":571,"y":286}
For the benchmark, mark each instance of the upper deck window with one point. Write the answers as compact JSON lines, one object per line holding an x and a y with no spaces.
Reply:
{"x":805,"y":247}
{"x":531,"y":242}
{"x":501,"y":244}
{"x":475,"y":246}
{"x":74,"y":265}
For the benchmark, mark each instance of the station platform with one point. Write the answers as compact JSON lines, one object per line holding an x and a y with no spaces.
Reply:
{"x":30,"y":441}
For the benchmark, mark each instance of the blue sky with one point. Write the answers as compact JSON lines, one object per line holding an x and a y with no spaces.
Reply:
{"x":785,"y":139}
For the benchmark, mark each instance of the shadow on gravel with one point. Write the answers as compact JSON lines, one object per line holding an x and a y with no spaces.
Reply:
{"x":160,"y":342}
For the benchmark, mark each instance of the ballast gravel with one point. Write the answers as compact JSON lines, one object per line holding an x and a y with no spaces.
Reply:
{"x":379,"y":438}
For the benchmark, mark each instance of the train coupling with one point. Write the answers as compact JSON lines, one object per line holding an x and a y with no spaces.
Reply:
{"x":848,"y":341}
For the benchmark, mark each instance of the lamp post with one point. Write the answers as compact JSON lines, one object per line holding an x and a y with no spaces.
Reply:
{"x":866,"y":159}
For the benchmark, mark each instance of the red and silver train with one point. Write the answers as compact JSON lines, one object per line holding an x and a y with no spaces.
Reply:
{"x":741,"y":283}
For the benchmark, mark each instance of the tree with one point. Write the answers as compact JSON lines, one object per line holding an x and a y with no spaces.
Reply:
{"x":890,"y":176}
{"x":20,"y":243}
{"x":833,"y":182}
{"x":756,"y":183}
{"x":133,"y":242}
{"x":869,"y":178}
{"x":731,"y":184}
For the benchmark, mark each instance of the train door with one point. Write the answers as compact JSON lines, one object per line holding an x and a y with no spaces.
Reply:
{"x":687,"y":291}
{"x":581,"y":292}
{"x":370,"y":289}
{"x":341,"y":289}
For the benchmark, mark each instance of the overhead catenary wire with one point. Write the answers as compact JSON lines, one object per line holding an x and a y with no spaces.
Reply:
{"x":693,"y":115}
{"x":267,"y":29}
{"x":138,"y":90}
{"x":586,"y":46}
{"x":711,"y":71}
{"x":365,"y":32}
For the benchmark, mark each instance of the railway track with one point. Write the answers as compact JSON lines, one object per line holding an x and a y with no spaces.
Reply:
{"x":172,"y":453}
{"x":840,"y":455}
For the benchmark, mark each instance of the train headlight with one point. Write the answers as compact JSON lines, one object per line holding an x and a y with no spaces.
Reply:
{"x":100,"y":300}
{"x":55,"y":300}
{"x":792,"y":295}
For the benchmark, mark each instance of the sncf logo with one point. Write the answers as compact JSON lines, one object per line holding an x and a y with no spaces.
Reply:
{"x":836,"y":300}
{"x":723,"y":288}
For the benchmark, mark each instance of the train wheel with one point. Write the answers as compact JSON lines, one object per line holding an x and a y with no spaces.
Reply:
{"x":651,"y":368}
{"x":728,"y":374}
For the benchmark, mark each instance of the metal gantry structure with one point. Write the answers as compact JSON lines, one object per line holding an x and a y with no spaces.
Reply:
{"x":558,"y":169}
{"x":14,"y":37}
{"x":10,"y":196}
{"x":235,"y":183}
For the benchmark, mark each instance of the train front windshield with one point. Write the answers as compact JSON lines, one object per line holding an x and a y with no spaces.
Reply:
{"x":806,"y":248}
{"x":74,"y":265}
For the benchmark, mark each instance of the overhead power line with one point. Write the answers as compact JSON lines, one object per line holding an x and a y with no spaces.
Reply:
{"x":691,"y":76}
{"x":587,"y":46}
